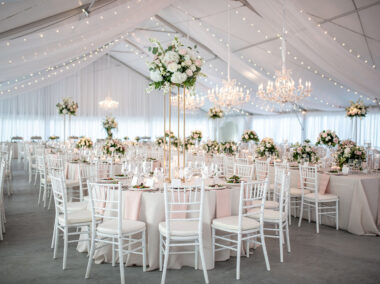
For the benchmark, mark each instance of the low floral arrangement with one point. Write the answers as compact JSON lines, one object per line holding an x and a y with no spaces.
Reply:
{"x":304,"y":152}
{"x":109,"y":124}
{"x":328,"y":138}
{"x":176,"y":142}
{"x":196,"y":135}
{"x":233,"y":179}
{"x":356,"y":109}
{"x":171,"y":134}
{"x":250,"y":135}
{"x":212,"y":147}
{"x":36,"y":138}
{"x":160,"y":141}
{"x":188,"y":143}
{"x":137,"y":139}
{"x":176,"y":65}
{"x":267,"y":148}
{"x":67,"y":106}
{"x":349,"y":152}
{"x":126,"y":138}
{"x":229,"y":147}
{"x":53,"y":137}
{"x":113,"y":146}
{"x":215,"y":113}
{"x":84,"y":143}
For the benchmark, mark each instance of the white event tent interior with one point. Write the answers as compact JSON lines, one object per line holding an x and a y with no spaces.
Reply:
{"x":55,"y":52}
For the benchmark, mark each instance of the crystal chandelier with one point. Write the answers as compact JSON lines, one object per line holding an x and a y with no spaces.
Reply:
{"x":284,"y":90}
{"x":193,"y":101}
{"x":108,"y":103}
{"x":229,"y":95}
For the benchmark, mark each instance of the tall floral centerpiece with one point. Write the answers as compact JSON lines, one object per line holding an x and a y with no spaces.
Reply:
{"x":266,"y":148}
{"x":84,"y":143}
{"x":304,"y":153}
{"x":196,"y":136}
{"x":174,"y":66}
{"x":356,"y":110}
{"x":215,"y":113}
{"x":109,"y":124}
{"x":67,"y":107}
{"x":327,"y":138}
{"x":250,"y":135}
{"x":229,"y":147}
{"x":212,"y":147}
{"x":350,"y":153}
{"x":112,"y":147}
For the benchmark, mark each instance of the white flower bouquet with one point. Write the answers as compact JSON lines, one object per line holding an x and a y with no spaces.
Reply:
{"x":196,"y":135}
{"x":250,"y":135}
{"x":160,"y":141}
{"x":266,"y":148}
{"x":328,"y":138}
{"x":189,"y":143}
{"x":215,"y":113}
{"x":176,"y":65}
{"x":349,"y":152}
{"x":211,"y":147}
{"x":356,"y":109}
{"x":67,"y":106}
{"x":229,"y":147}
{"x":84,"y":143}
{"x":113,"y":146}
{"x":109,"y":124}
{"x":305,"y":153}
{"x":53,"y":137}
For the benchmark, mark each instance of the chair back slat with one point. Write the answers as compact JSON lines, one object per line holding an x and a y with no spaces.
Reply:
{"x":244,"y":171}
{"x":262,"y":169}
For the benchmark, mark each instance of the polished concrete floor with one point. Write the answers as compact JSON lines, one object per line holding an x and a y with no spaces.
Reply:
{"x":329,"y":257}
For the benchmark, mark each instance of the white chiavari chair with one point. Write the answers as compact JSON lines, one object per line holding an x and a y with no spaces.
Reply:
{"x":229,"y":163}
{"x":183,"y":225}
{"x":244,"y":171}
{"x":324,"y":204}
{"x":66,"y":220}
{"x":243,"y":228}
{"x":242,"y":161}
{"x":128,"y":236}
{"x":45,"y":184}
{"x":262,"y":169}
{"x":2,"y":208}
{"x":278,"y":218}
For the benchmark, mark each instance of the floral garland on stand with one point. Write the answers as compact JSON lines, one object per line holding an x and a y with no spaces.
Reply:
{"x":84,"y":143}
{"x":304,"y":153}
{"x":327,"y":138}
{"x":356,"y":109}
{"x":250,"y":135}
{"x":349,"y":152}
{"x":266,"y":148}
{"x":215,"y":113}
{"x":109,"y":124}
{"x":113,"y":146}
{"x":229,"y":147}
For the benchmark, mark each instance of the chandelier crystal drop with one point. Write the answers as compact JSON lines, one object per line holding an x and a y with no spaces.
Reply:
{"x":108,"y":103}
{"x":229,"y":95}
{"x":192,"y":100}
{"x":284,"y":90}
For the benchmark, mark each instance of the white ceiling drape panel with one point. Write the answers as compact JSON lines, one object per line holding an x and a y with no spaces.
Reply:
{"x":30,"y":54}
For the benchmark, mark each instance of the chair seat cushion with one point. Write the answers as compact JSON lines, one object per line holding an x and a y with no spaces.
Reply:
{"x":232,"y":223}
{"x":128,"y":226}
{"x":180,"y":228}
{"x":76,"y":217}
{"x":74,"y":206}
{"x":270,"y":215}
{"x":321,"y":197}
{"x":269,"y":204}
{"x":294,"y":191}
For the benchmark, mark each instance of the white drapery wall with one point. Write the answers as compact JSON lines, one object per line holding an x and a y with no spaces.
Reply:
{"x":138,"y":114}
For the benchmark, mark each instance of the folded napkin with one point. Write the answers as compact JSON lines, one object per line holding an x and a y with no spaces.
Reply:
{"x":223,"y":203}
{"x":132,"y":202}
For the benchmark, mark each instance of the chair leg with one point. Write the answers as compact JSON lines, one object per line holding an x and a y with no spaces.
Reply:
{"x":238,"y":257}
{"x":50,"y":199}
{"x":65,"y":247}
{"x":213,"y":246}
{"x":203,"y":259}
{"x":54,"y":231}
{"x":92,"y":250}
{"x":290,"y":210}
{"x":309,"y":213}
{"x":39,"y":194}
{"x":287,"y":236}
{"x":160,"y":260}
{"x":166,"y":258}
{"x":196,"y":248}
{"x":337,"y":215}
{"x":301,"y":213}
{"x":56,"y":240}
{"x":144,"y":250}
{"x":281,"y":240}
{"x":317,"y":216}
{"x":121,"y":261}
{"x":113,"y":252}
{"x":264,"y":248}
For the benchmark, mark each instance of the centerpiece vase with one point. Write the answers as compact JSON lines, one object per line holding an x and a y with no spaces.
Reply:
{"x":215,"y":124}
{"x":69,"y":132}
{"x":64,"y":128}
{"x":354,"y":128}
